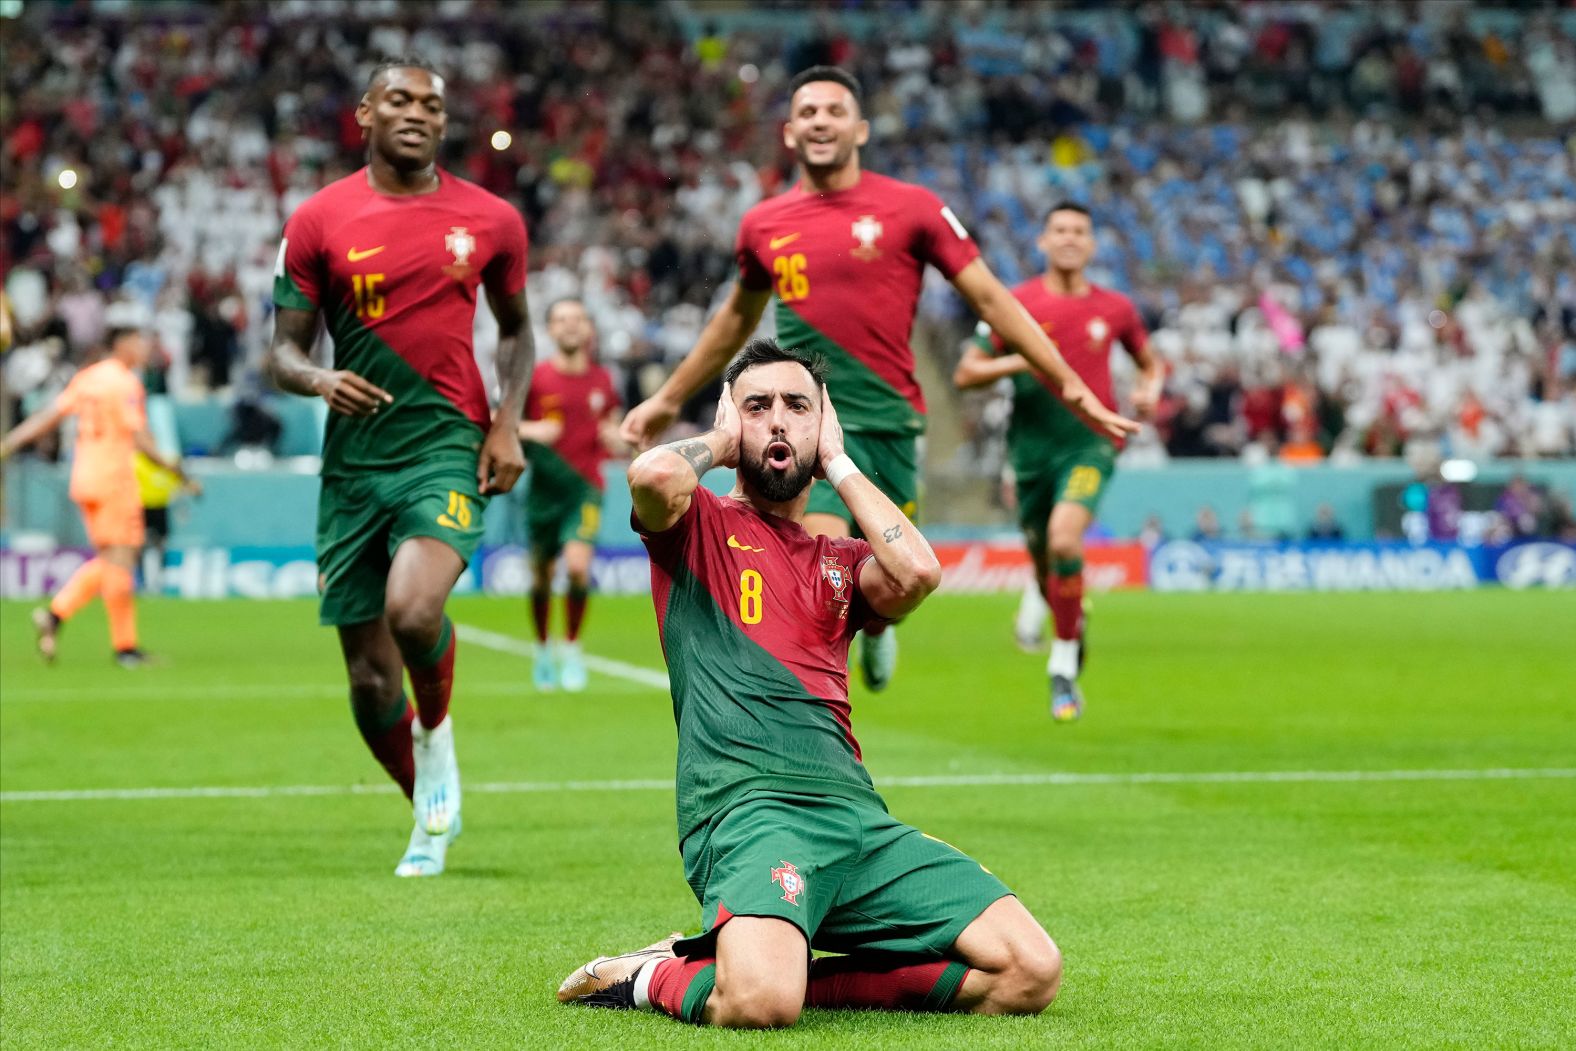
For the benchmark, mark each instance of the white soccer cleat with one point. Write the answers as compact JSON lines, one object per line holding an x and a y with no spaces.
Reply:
{"x":1028,"y":626}
{"x":425,"y":854}
{"x":572,"y":668}
{"x":608,"y":981}
{"x":437,"y":795}
{"x":544,"y":670}
{"x":877,"y":658}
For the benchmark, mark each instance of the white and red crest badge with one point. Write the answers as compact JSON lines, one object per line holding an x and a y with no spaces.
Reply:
{"x":1099,"y":331}
{"x":837,"y":575}
{"x":460,"y":244}
{"x":867,"y":231}
{"x":787,"y":877}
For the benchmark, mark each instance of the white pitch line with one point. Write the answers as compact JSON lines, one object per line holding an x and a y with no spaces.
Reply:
{"x":233,"y":692}
{"x":606,"y":665}
{"x":1181,"y":777}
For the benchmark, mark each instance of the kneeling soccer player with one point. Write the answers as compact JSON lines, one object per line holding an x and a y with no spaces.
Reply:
{"x":785,"y":841}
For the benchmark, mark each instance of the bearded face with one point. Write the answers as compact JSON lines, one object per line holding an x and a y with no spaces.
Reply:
{"x":777,"y":471}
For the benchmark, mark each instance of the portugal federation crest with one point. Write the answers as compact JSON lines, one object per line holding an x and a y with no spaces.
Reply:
{"x":1099,"y":330}
{"x":787,"y":877}
{"x":867,"y":231}
{"x":460,"y":244}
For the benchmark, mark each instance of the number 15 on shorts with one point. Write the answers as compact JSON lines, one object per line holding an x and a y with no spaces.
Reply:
{"x":458,"y":516}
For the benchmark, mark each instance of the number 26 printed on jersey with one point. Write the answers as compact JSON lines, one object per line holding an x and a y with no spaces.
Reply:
{"x":792,"y":282}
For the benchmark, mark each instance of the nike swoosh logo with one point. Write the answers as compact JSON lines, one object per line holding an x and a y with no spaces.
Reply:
{"x":356,"y":257}
{"x":733,"y":541}
{"x":778,"y":242}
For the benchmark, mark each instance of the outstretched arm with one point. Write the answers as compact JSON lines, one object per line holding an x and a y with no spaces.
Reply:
{"x":662,"y":479}
{"x":1000,"y":309}
{"x":719,"y":341}
{"x":905,"y":570}
{"x":31,"y":429}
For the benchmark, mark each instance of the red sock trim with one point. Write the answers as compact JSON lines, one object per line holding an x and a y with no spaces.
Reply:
{"x":541,"y":612}
{"x":574,"y":612}
{"x":870,"y":981}
{"x":432,"y":686}
{"x":670,"y":983}
{"x":391,"y":747}
{"x":1065,"y":596}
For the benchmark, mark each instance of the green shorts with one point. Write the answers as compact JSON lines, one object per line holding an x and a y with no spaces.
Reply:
{"x":1078,"y":476}
{"x":557,"y":514}
{"x":889,"y":460}
{"x":847,"y":874}
{"x":363,"y":519}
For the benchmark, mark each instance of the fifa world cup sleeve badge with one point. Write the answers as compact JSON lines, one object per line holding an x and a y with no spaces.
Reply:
{"x":791,"y":882}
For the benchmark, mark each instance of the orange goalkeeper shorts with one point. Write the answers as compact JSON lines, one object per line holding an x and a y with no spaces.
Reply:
{"x":115,"y":521}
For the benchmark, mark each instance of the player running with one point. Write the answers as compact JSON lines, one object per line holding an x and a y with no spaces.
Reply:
{"x":785,"y":841}
{"x":108,"y":401}
{"x":391,"y":258}
{"x":571,"y":424}
{"x":1060,"y":465}
{"x":844,"y":252}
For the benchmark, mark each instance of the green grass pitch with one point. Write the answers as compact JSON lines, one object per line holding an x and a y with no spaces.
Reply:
{"x":1195,"y":910}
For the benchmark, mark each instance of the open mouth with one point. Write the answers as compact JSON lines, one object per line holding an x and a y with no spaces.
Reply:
{"x":780,"y":455}
{"x":411,"y":136}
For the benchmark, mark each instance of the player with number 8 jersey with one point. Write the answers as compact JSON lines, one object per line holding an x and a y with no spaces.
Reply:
{"x":392,"y":258}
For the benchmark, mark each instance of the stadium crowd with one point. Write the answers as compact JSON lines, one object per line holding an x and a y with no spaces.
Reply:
{"x":1348,"y":223}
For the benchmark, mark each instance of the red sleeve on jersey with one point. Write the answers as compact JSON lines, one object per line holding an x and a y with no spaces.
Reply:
{"x":753,"y":275}
{"x":943,"y":242}
{"x":303,"y":254}
{"x":1134,"y":338}
{"x":666,"y":545}
{"x":614,"y":402}
{"x":504,"y":274}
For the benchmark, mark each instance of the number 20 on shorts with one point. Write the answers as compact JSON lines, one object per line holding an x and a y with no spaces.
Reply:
{"x":750,"y":586}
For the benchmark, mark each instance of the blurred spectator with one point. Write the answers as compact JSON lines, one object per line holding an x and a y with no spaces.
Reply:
{"x":1206,"y":525}
{"x":1326,"y":527}
{"x":1348,"y":224}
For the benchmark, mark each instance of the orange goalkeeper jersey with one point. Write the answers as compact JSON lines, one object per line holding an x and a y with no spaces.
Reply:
{"x":107,"y":400}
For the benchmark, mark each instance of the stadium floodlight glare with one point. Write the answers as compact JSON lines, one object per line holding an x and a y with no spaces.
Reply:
{"x":501,"y":140}
{"x":749,"y":73}
{"x":1458,"y":470}
{"x":67,"y":178}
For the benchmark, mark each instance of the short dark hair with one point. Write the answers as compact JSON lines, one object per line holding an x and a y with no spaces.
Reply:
{"x":832,"y":73}
{"x":765,"y":351}
{"x":1069,"y":206}
{"x":560,"y":301}
{"x":116,"y":333}
{"x":400,"y":62}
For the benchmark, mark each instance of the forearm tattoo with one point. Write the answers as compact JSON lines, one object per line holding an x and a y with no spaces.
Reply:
{"x":891,"y":533}
{"x":696,"y":453}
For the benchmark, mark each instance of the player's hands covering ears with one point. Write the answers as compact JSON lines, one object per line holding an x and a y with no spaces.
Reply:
{"x":349,"y":394}
{"x":729,"y":425}
{"x":830,"y":446}
{"x":501,"y":462}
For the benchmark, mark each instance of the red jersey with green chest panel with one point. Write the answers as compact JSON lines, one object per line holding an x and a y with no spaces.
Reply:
{"x":396,"y":279}
{"x":846,"y":268}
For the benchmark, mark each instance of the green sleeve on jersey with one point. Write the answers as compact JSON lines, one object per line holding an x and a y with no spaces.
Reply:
{"x":865,"y":401}
{"x":287,"y":295}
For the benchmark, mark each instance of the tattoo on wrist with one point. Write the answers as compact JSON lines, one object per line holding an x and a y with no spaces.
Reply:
{"x":696,"y":453}
{"x":891,"y":533}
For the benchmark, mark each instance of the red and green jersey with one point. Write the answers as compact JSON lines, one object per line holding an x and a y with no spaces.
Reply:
{"x":846,"y":268}
{"x":580,"y":401}
{"x":395,"y":279}
{"x":1084,"y":328}
{"x":755,"y":617}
